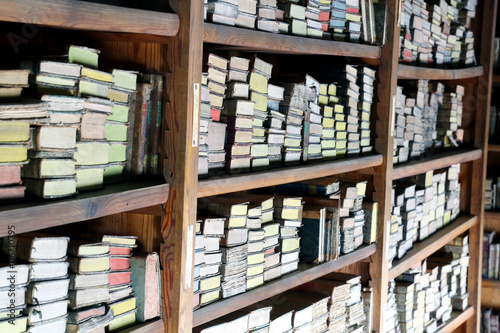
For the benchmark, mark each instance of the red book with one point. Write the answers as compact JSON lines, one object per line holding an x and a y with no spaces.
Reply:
{"x":10,"y":174}
{"x":120,"y":251}
{"x":325,"y":27}
{"x":215,"y":114}
{"x":119,"y":263}
{"x":352,"y":10}
{"x":119,"y":278}
{"x":12,"y":192}
{"x":324,"y":16}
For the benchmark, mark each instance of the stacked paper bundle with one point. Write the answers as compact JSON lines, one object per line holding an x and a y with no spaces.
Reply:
{"x":275,"y":134}
{"x":450,"y":118}
{"x":366,"y":78}
{"x":295,"y":16}
{"x":313,"y":127}
{"x":351,"y":226}
{"x":270,"y":18}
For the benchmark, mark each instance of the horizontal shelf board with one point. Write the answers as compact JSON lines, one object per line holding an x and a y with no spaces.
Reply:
{"x":488,"y":283}
{"x":246,"y":181}
{"x":305,"y":274}
{"x":123,"y":197}
{"x":494,"y":148}
{"x":425,"y":248}
{"x":435,"y":161}
{"x":151,"y":326}
{"x":82,"y":15}
{"x":492,"y":221}
{"x":496,"y":78}
{"x":423,"y":73}
{"x":279,"y":43}
{"x":457,"y":319}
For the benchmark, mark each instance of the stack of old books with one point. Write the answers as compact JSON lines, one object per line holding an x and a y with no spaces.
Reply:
{"x":313,"y":124}
{"x":391,"y":318}
{"x":351,"y":225}
{"x":295,"y":16}
{"x":222,"y":11}
{"x":450,"y":118}
{"x":328,"y":142}
{"x":15,"y":119}
{"x":275,"y":134}
{"x":317,"y":17}
{"x":366,"y":78}
{"x":353,"y":20}
{"x":338,"y":20}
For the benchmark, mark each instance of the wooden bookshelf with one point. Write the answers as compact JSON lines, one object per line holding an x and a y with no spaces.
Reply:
{"x":489,"y":283}
{"x":457,"y":319}
{"x":496,"y":78}
{"x":435,"y":161}
{"x":247,"y":181}
{"x":406,"y":72}
{"x":492,"y":221}
{"x":262,"y":41}
{"x":151,"y":326}
{"x":431,"y":244}
{"x":305,"y":274}
{"x":123,"y":197}
{"x":493,"y":148}
{"x":82,"y":15}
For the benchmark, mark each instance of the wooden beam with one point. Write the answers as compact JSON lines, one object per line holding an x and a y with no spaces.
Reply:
{"x":385,"y":109}
{"x":181,"y":167}
{"x":82,"y":15}
{"x":457,"y":319}
{"x":422,"y":73}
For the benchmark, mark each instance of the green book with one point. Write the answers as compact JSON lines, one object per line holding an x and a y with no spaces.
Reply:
{"x":115,"y":131}
{"x":119,"y":113}
{"x":84,"y":56}
{"x":117,"y":152}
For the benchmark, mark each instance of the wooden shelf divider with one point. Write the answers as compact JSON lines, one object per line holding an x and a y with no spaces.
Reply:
{"x":305,"y":274}
{"x":406,"y":72}
{"x":436,"y":161}
{"x":123,"y":197}
{"x":82,"y":15}
{"x":246,"y":181}
{"x":457,"y":319}
{"x":284,"y":44}
{"x":425,"y":248}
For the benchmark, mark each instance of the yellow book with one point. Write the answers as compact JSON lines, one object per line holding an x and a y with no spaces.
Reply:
{"x":55,"y":80}
{"x":365,"y":125}
{"x":210,"y":283}
{"x":93,"y":88}
{"x":255,"y":269}
{"x":10,"y":153}
{"x":126,"y":305}
{"x":210,"y":296}
{"x":334,"y":99}
{"x":341,"y":144}
{"x":258,"y":131}
{"x":89,"y":264}
{"x":237,"y":221}
{"x":323,"y":99}
{"x":332,"y":89}
{"x":49,"y":167}
{"x":14,"y":131}
{"x":258,"y":83}
{"x":290,"y":244}
{"x":255,"y":258}
{"x":366,"y":106}
{"x":327,"y":111}
{"x":83,"y":249}
{"x":365,"y":142}
{"x":92,"y":153}
{"x":123,"y":320}
{"x":341,"y":126}
{"x":288,"y":213}
{"x":271,"y":229}
{"x":394,"y":228}
{"x":327,"y":144}
{"x":341,"y":135}
{"x":365,"y":133}
{"x":19,"y":325}
{"x":260,"y":101}
{"x":117,"y":95}
{"x":97,"y":75}
{"x":328,"y":132}
{"x":291,"y":142}
{"x":365,"y":116}
{"x":51,"y":188}
{"x":328,"y":122}
{"x":340,"y":117}
{"x":447,"y":217}
{"x":89,"y":178}
{"x":323,"y":89}
{"x":120,"y":240}
{"x":255,"y":281}
{"x":5,"y":314}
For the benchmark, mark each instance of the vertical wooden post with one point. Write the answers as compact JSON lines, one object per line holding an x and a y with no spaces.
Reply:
{"x":479,"y":167}
{"x":387,"y":76}
{"x":181,"y":165}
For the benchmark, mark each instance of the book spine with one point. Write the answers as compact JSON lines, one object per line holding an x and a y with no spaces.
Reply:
{"x":140,"y":129}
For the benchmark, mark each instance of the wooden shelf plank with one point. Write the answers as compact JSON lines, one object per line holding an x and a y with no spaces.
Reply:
{"x":305,"y":274}
{"x":422,"y":73}
{"x":233,"y":183}
{"x":151,"y":326}
{"x":436,"y":161}
{"x":425,"y":248}
{"x":492,"y":221}
{"x":496,"y":78}
{"x":82,"y":15}
{"x":457,"y":319}
{"x":494,"y":148}
{"x":278,"y":43}
{"x":488,"y":283}
{"x":123,"y":197}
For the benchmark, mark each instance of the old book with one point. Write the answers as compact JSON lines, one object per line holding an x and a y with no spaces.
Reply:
{"x":48,"y":270}
{"x":82,"y":265}
{"x":46,"y":291}
{"x":124,"y":320}
{"x":47,"y":311}
{"x":146,"y":283}
{"x":84,"y":281}
{"x":35,"y":247}
{"x":92,"y":153}
{"x":95,"y":319}
{"x":49,"y":168}
{"x":10,"y":173}
{"x":141,"y":129}
{"x":81,"y":315}
{"x":54,"y":137}
{"x":85,"y":297}
{"x":14,"y":131}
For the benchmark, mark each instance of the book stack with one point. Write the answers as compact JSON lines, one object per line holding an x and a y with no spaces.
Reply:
{"x":275,"y":134}
{"x":450,"y":118}
{"x":203,"y":129}
{"x":338,"y":20}
{"x":239,"y":113}
{"x":367,"y":295}
{"x":351,"y":224}
{"x":490,"y":189}
{"x":318,"y":17}
{"x":459,"y":249}
{"x":355,"y":312}
{"x":256,"y":251}
{"x":391,"y":318}
{"x":295,"y":105}
{"x":490,"y":321}
{"x":288,"y":215}
{"x":295,"y":16}
{"x":366,"y":78}
{"x":437,"y":33}
{"x":491,"y":255}
{"x":270,"y":18}
{"x":313,"y":125}
{"x":89,"y":285}
{"x":15,"y":118}
{"x":234,"y":250}
{"x":404,"y":300}
{"x":353,"y":20}
{"x":47,"y":293}
{"x":258,"y":80}
{"x":210,"y":122}
{"x":222,"y":11}
{"x":121,"y":292}
{"x":247,"y":14}
{"x":12,"y":302}
{"x":371,"y":220}
{"x":208,"y":237}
